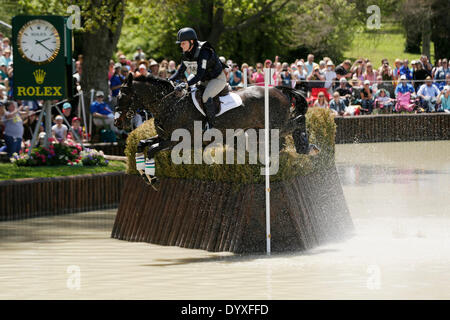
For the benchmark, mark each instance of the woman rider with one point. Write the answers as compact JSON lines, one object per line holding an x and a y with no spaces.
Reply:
{"x":200,"y":59}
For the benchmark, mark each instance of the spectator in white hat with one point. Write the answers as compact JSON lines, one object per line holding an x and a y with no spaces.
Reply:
{"x":403,"y":87}
{"x":115,"y":83}
{"x":330,"y":76}
{"x":154,"y":68}
{"x":142,"y":70}
{"x":344,"y":90}
{"x":59,"y":130}
{"x":367,"y":97}
{"x":102,"y":113}
{"x":301,"y":73}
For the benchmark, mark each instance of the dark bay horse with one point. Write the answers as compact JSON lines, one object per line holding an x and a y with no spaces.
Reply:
{"x":173,"y":111}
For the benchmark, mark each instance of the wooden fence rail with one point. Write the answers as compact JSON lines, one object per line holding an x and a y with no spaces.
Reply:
{"x":26,"y":198}
{"x":393,"y":127}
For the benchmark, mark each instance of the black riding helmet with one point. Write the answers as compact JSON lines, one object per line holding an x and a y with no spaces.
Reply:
{"x":186,"y":34}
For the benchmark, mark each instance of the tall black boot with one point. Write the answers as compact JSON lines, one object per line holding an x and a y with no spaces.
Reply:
{"x":210,"y":112}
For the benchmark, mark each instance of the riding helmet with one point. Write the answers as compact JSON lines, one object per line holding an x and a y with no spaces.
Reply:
{"x":186,"y":34}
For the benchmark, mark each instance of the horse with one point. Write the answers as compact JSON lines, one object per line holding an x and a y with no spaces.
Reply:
{"x":173,"y":110}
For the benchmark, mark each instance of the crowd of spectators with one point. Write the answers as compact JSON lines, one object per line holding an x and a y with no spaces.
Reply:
{"x":345,"y":88}
{"x":356,"y":88}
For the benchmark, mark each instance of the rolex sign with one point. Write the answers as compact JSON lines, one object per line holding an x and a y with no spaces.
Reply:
{"x":42,"y":47}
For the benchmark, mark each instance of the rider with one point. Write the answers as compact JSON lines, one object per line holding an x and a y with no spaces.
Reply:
{"x":200,"y":59}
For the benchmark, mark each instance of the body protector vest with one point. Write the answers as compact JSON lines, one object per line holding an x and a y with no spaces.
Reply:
{"x":213,"y":66}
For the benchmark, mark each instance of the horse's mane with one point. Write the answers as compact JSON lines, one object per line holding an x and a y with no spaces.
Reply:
{"x":152,"y":79}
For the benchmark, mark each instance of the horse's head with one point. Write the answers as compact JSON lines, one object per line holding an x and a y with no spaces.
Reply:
{"x":126,"y":104}
{"x":138,"y":93}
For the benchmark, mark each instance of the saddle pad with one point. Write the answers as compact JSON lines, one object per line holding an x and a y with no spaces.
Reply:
{"x":228,"y":102}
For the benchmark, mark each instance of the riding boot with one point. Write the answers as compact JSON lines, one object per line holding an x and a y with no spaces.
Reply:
{"x":210,"y":112}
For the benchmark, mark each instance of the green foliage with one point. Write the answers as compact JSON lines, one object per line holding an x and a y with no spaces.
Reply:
{"x":11,"y":171}
{"x":323,"y":27}
{"x":94,"y":13}
{"x":321,"y":128}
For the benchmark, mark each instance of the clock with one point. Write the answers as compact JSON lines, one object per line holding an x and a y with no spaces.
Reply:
{"x":38,"y":41}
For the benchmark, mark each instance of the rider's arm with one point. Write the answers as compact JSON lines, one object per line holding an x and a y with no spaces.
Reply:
{"x":203,"y":58}
{"x":179,"y":73}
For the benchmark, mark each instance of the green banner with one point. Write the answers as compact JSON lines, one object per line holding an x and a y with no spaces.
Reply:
{"x":42,"y":48}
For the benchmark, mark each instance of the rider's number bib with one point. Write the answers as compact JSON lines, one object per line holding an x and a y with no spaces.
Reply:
{"x":191,"y":67}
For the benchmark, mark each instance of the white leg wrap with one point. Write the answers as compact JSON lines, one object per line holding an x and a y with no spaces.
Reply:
{"x":140,"y":161}
{"x":150,"y":167}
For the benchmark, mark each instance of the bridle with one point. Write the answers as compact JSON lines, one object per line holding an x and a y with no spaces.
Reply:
{"x":137,"y":101}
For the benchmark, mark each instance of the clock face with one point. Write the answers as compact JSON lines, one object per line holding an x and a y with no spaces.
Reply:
{"x":38,"y":41}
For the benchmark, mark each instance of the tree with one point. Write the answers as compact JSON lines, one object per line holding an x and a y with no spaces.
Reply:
{"x":440,"y":26}
{"x":8,"y":10}
{"x":326,"y":27}
{"x":434,"y":25}
{"x":244,"y":30}
{"x":101,"y":23}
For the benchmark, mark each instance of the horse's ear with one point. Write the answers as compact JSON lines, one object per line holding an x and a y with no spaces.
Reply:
{"x":130,"y":79}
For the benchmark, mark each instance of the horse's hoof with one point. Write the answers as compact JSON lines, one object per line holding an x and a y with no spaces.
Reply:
{"x":313,"y":150}
{"x":151,"y":181}
{"x":155,"y":183}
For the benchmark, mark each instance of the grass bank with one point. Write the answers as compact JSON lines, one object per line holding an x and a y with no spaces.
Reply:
{"x":10,"y":171}
{"x":386,"y":42}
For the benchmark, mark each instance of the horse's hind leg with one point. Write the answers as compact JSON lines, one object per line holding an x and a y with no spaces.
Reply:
{"x":301,"y":139}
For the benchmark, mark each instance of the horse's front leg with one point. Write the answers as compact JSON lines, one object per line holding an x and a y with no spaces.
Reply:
{"x":147,"y":142}
{"x":140,"y":157}
{"x":150,"y":165}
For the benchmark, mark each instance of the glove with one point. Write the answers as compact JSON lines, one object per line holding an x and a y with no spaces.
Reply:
{"x":181,"y":86}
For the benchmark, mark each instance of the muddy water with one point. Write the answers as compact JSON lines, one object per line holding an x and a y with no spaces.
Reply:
{"x":399,"y":198}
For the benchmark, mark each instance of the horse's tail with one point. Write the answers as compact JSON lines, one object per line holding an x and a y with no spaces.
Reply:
{"x":301,"y":105}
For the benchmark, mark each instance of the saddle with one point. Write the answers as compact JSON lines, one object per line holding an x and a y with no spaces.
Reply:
{"x":216,"y":99}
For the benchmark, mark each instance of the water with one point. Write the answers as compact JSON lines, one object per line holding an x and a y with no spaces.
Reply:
{"x":399,"y":199}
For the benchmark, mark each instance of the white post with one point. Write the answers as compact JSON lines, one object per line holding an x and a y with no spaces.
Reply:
{"x":83,"y":109}
{"x":245,"y":77}
{"x":267,"y":74}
